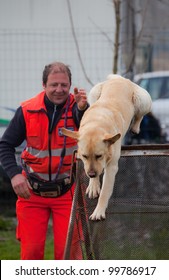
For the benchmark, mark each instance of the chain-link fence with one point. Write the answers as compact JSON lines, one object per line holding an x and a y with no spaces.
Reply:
{"x":25,"y":52}
{"x":137,"y":218}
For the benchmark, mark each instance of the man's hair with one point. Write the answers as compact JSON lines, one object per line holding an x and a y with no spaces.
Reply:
{"x":56,"y":67}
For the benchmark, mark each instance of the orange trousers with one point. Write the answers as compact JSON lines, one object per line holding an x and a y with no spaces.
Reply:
{"x":33,"y":216}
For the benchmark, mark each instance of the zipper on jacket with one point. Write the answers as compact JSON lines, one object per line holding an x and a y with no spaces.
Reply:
{"x":50,"y":158}
{"x":53,"y":118}
{"x":50,"y":135}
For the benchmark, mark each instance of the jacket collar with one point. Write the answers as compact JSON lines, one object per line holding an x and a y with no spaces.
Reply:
{"x":41,"y":102}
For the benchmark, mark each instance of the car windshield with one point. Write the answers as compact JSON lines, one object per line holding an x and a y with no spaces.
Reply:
{"x":157,"y":87}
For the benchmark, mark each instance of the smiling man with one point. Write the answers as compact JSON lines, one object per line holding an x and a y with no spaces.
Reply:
{"x":43,"y":185}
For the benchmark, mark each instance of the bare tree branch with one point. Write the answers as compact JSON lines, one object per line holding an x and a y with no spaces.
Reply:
{"x":117,"y":4}
{"x":110,"y":41}
{"x":137,"y":39}
{"x":77,"y":44}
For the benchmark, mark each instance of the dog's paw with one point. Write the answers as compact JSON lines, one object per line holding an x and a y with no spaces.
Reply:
{"x":98,"y":215}
{"x":135,"y":128}
{"x":93,"y":191}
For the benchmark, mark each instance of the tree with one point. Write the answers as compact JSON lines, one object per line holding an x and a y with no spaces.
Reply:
{"x":117,"y":4}
{"x":77,"y":44}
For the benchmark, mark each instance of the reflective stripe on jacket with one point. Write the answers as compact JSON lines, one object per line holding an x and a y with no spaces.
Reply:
{"x":42,"y":154}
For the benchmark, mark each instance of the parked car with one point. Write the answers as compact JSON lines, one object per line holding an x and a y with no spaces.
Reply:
{"x":157,"y":84}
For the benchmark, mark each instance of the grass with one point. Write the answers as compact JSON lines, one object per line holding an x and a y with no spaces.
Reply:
{"x":10,"y":247}
{"x":147,"y":241}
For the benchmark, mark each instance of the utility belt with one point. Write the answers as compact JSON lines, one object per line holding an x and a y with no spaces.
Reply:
{"x":50,"y":189}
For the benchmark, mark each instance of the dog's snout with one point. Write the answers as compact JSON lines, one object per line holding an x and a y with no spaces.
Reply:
{"x":92,"y":174}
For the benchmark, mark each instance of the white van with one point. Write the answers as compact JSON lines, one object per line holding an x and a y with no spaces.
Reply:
{"x":157,"y":84}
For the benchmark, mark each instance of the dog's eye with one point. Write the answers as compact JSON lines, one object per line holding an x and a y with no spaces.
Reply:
{"x":84,"y":156}
{"x":98,"y":156}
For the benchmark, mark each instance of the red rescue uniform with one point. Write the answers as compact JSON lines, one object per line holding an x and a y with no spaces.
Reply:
{"x":43,"y":156}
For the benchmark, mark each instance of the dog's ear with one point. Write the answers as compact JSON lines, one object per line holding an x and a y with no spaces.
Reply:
{"x":111,"y":139}
{"x":70,"y":133}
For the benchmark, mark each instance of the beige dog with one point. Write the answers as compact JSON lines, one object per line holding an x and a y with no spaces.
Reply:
{"x":116,"y":105}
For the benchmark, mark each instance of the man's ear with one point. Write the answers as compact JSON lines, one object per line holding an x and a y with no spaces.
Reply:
{"x":111,"y":139}
{"x":44,"y":86}
{"x":70,"y":133}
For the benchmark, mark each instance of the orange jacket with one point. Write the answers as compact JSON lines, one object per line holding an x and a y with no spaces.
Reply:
{"x":42,"y":154}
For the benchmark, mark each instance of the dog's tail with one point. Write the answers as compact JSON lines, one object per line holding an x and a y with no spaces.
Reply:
{"x":142,"y":100}
{"x":142,"y":104}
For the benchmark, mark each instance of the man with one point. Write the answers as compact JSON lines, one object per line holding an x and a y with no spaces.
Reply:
{"x":43,"y":185}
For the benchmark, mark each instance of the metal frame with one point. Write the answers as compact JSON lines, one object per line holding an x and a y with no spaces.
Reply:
{"x":126,"y":151}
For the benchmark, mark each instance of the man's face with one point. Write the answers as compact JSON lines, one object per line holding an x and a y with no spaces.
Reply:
{"x":57,"y":87}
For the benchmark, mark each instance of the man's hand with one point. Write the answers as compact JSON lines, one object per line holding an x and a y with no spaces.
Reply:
{"x":21,"y":186}
{"x":80,"y":98}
